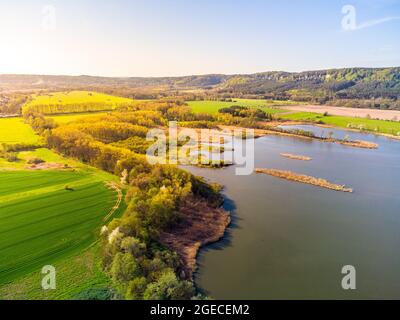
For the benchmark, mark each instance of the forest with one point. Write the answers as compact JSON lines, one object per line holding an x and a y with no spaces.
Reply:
{"x":349,"y":87}
{"x":139,"y":263}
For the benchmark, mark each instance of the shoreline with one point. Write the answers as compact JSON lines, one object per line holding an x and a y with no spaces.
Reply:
{"x":361,"y":113}
{"x":201,"y":225}
{"x":265,"y":132}
{"x":299,"y":123}
{"x":389,"y":136}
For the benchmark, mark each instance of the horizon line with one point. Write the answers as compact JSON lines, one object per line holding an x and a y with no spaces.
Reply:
{"x":193,"y":75}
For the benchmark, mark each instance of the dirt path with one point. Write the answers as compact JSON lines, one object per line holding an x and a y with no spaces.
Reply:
{"x":116,"y":188}
{"x":348,"y":112}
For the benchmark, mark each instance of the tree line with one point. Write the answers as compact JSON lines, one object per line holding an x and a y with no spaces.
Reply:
{"x":140,"y":266}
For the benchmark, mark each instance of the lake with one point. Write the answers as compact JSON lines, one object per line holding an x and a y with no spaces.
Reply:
{"x":290,"y":240}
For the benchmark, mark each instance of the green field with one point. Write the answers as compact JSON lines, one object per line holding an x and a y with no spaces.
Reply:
{"x":48,"y":156}
{"x":41,"y":222}
{"x":73,"y":102}
{"x":14,"y":130}
{"x":74,"y":275}
{"x":74,"y":97}
{"x":213,"y":106}
{"x":380,"y":126}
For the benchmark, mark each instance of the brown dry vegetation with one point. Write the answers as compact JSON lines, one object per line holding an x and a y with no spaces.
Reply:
{"x":358,"y":144}
{"x":295,"y":157}
{"x":47,"y":166}
{"x":200,"y":225}
{"x":288,"y":175}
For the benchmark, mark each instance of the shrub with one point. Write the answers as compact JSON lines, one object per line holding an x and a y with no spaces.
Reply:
{"x":124,"y":268}
{"x":11,"y":156}
{"x":20,"y":146}
{"x":35,"y":161}
{"x":136,"y":289}
{"x":168,"y":287}
{"x":94,"y":294}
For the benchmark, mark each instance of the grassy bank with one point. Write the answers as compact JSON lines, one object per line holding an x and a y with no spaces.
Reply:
{"x":268,"y":106}
{"x":378,"y":126}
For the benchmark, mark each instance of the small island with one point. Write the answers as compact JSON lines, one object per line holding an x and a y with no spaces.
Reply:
{"x":295,"y":157}
{"x":288,"y":175}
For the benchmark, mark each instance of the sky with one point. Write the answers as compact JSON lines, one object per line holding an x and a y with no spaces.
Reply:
{"x":184,"y":37}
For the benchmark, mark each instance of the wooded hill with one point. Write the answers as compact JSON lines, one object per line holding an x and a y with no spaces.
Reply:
{"x":313,"y":86}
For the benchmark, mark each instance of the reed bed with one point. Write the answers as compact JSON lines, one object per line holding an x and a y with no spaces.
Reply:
{"x":296,"y":157}
{"x":359,"y":144}
{"x":288,"y":175}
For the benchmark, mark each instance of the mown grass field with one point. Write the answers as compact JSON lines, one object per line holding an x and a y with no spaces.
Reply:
{"x":14,"y":130}
{"x":41,"y":222}
{"x":73,"y":102}
{"x":74,"y":275}
{"x":266,"y":105}
{"x":380,"y":126}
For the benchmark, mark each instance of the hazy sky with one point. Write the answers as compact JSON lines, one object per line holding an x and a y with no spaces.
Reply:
{"x":181,"y":37}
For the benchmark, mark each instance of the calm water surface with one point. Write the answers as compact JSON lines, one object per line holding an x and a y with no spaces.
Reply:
{"x":290,"y":240}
